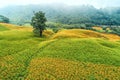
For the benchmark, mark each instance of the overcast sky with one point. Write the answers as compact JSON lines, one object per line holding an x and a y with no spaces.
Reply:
{"x":96,"y":3}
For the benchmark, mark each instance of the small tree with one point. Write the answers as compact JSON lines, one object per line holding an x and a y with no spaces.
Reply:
{"x":38,"y":22}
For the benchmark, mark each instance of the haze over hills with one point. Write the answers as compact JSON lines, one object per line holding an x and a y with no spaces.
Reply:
{"x":95,"y":3}
{"x":64,"y":14}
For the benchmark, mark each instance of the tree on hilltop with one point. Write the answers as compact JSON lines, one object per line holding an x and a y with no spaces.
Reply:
{"x":38,"y":22}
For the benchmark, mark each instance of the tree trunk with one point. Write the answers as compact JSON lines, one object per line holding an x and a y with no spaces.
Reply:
{"x":40,"y":33}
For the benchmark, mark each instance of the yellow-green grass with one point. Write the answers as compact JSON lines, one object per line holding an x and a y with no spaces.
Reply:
{"x":97,"y":28}
{"x":15,"y":35}
{"x":3,"y":28}
{"x":17,"y":47}
{"x":59,"y":69}
{"x":16,"y":27}
{"x":26,"y":57}
{"x":112,"y":37}
{"x":86,"y":50}
{"x":79,"y":33}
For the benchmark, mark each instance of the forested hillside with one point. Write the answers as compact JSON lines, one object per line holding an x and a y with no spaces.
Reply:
{"x":64,"y":14}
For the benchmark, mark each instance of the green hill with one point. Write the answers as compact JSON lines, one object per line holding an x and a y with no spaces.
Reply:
{"x":86,"y":50}
{"x":3,"y":28}
{"x":26,"y":57}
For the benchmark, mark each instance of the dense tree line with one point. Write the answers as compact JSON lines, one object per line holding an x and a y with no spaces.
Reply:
{"x":64,"y":14}
{"x":4,"y":19}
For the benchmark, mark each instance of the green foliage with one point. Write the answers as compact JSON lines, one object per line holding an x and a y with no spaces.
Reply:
{"x":38,"y":22}
{"x":56,"y":30}
{"x":4,"y":19}
{"x":37,"y":32}
{"x":69,"y":26}
{"x":64,"y":14}
{"x":115,"y":30}
{"x":89,"y":25}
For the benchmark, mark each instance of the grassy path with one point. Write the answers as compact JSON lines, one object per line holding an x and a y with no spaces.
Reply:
{"x":18,"y":63}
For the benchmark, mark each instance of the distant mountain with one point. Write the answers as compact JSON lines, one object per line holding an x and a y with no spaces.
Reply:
{"x":24,"y":13}
{"x":64,"y":14}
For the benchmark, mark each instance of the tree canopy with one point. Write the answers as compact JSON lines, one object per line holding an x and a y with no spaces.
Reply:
{"x":38,"y":22}
{"x":4,"y":19}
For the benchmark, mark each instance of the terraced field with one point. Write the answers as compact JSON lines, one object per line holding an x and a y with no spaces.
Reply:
{"x":66,"y":55}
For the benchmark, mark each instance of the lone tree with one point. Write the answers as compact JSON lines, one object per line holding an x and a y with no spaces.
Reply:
{"x":38,"y":22}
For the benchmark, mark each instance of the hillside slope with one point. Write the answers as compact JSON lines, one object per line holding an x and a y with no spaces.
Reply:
{"x":60,"y":56}
{"x":80,"y":33}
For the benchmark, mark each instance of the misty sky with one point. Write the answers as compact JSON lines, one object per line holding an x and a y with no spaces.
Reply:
{"x":96,"y":3}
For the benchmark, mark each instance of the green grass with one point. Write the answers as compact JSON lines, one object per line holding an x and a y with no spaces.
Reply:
{"x":16,"y":51}
{"x":87,"y":50}
{"x":15,"y":35}
{"x":24,"y":56}
{"x":3,"y":28}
